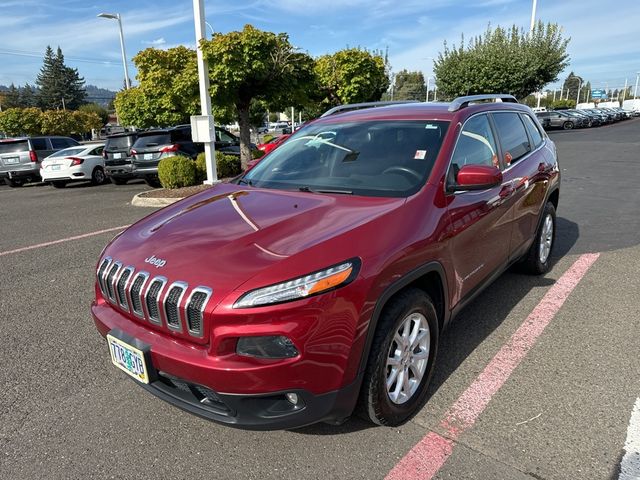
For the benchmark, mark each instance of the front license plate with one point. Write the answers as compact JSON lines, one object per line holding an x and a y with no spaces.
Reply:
{"x":11,"y":160}
{"x":55,"y":167}
{"x":128,"y":359}
{"x":148,"y":156}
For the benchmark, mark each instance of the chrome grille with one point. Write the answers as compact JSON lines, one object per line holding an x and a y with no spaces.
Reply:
{"x":195,"y":309}
{"x":110,"y":280}
{"x":172,"y":304}
{"x":135,"y":293}
{"x":146,"y":297}
{"x":102,"y":270}
{"x":121,"y":287}
{"x":151,"y":299}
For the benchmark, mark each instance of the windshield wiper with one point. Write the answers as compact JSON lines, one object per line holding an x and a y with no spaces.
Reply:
{"x":305,"y":188}
{"x":242,"y":181}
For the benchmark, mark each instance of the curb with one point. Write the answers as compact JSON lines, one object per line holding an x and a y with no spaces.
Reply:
{"x":140,"y":201}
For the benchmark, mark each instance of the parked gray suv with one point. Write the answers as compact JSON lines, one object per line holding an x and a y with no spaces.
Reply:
{"x":20,"y":157}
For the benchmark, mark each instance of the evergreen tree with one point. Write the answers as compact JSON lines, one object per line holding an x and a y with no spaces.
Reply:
{"x":60,"y":86}
{"x":28,"y":96}
{"x":12,"y":97}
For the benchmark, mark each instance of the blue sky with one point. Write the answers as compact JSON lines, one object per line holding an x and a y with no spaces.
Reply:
{"x":605,"y":45}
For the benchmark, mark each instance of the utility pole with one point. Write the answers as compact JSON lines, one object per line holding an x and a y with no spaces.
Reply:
{"x":204,"y":125}
{"x":635,"y":91}
{"x":578,"y":97}
{"x":533,"y":16}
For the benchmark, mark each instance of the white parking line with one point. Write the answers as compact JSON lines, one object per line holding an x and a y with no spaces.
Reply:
{"x":62,"y":240}
{"x":630,"y":465}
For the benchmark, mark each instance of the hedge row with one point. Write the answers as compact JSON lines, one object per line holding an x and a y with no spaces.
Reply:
{"x":179,"y":171}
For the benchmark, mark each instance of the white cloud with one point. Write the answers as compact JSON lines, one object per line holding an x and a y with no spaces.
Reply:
{"x":155,"y":43}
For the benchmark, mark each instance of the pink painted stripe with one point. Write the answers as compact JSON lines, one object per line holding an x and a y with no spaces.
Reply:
{"x":426,"y":458}
{"x":62,"y":240}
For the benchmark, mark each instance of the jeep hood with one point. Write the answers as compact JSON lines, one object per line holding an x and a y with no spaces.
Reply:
{"x":227,"y":235}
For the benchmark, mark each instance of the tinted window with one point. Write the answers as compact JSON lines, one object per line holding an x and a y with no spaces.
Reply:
{"x":119,"y":143}
{"x":475,"y":145}
{"x":536,"y":136}
{"x":58,"y":143}
{"x":11,"y":147}
{"x":152,"y":140}
{"x":39,"y":144}
{"x":374,"y":158}
{"x":222,"y":136}
{"x":182,"y":135}
{"x":97,"y":150}
{"x":512,"y":135}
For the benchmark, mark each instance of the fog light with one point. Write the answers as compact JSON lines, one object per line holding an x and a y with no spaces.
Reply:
{"x":292,"y":397}
{"x":266,"y":347}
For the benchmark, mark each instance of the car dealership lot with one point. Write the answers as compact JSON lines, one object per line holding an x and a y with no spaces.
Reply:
{"x":66,"y":412}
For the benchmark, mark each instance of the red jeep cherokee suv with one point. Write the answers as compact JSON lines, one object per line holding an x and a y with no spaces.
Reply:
{"x":319,"y":282}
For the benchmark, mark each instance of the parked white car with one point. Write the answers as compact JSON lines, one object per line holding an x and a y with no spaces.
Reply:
{"x":74,"y":164}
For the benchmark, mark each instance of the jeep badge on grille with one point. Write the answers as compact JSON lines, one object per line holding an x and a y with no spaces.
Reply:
{"x":157,"y":262}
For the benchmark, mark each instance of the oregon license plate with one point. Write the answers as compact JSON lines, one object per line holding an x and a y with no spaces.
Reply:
{"x":55,"y":167}
{"x":11,"y":160}
{"x":128,"y":359}
{"x":148,"y":156}
{"x":117,"y":155}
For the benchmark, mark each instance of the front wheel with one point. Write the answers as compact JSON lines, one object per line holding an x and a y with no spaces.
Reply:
{"x":536,"y":261}
{"x":401,"y":360}
{"x":568,"y":125}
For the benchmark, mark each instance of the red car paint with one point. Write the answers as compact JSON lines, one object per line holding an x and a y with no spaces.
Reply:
{"x":273,"y":143}
{"x":237,"y":238}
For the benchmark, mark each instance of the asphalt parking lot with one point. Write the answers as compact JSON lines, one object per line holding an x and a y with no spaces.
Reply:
{"x":562,"y":411}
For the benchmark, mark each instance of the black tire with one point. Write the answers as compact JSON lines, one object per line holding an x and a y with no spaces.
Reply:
{"x":13,"y":183}
{"x":98,"y":177}
{"x":59,"y":183}
{"x":375,"y":403}
{"x":118,"y":180}
{"x":152,"y":181}
{"x":567,"y":125}
{"x":534,"y":262}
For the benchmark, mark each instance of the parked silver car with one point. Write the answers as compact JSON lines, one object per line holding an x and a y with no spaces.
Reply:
{"x":20,"y":157}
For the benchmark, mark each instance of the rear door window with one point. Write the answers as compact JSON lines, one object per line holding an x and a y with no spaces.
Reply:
{"x":512,"y":135}
{"x":13,"y":147}
{"x":68,"y":151}
{"x":39,"y":144}
{"x":532,"y":128}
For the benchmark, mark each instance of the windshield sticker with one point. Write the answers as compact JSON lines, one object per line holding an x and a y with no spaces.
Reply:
{"x":420,"y":155}
{"x":431,"y":126}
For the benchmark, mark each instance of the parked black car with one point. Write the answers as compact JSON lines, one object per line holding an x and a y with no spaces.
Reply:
{"x":117,"y":157}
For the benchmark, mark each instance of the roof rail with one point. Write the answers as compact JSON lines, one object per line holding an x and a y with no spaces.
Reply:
{"x":358,"y":106}
{"x":462,"y":102}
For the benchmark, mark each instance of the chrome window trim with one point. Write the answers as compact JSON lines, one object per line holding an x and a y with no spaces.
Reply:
{"x":209,"y":292}
{"x":124,"y":303}
{"x":184,"y":287}
{"x":145,"y":275}
{"x":101,"y":279}
{"x":163,"y":281}
{"x":111,"y":298}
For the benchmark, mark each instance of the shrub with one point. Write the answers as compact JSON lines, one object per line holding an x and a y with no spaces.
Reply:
{"x":267,"y":137}
{"x":226,"y":165}
{"x":257,"y":154}
{"x":177,"y":172}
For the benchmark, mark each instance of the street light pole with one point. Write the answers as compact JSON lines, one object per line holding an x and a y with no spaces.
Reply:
{"x":428,"y":82}
{"x":635,"y":91}
{"x":116,"y":16}
{"x":533,"y":16}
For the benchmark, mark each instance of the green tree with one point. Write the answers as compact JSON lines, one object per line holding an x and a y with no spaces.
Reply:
{"x":571,"y":85}
{"x":87,"y":121}
{"x":12,"y":98}
{"x":168,"y":91}
{"x":28,"y":96}
{"x":409,"y":86}
{"x":60,"y":122}
{"x":21,"y":121}
{"x":503,"y":61}
{"x":59,"y":86}
{"x":352,"y":75}
{"x":99,"y":110}
{"x":256,"y":65}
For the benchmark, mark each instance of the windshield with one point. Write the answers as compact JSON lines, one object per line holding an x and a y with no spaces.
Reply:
{"x":390,"y":158}
{"x":68,"y":151}
{"x":12,"y":147}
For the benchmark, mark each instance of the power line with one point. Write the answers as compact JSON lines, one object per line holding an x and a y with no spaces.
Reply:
{"x":23,"y":53}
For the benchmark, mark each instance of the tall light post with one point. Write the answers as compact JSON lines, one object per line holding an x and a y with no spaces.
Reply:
{"x":533,"y":16}
{"x":116,"y":16}
{"x":635,"y":91}
{"x":428,"y":82}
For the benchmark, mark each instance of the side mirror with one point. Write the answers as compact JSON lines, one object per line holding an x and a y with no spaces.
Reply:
{"x":476,"y":177}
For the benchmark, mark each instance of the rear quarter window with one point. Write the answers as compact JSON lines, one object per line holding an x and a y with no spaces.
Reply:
{"x":58,"y":143}
{"x":39,"y":144}
{"x":512,"y":136}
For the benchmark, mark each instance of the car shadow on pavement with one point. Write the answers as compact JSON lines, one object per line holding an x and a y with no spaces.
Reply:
{"x":474,"y":324}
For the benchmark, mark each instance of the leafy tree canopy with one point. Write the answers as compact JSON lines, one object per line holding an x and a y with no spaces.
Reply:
{"x":59,"y":86}
{"x":409,"y":86}
{"x":503,"y":61}
{"x":21,"y":121}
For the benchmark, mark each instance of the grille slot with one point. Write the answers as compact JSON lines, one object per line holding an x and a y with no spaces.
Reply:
{"x":102,"y":270}
{"x":120,"y":287}
{"x":110,"y":281}
{"x":135,"y":293}
{"x":195,"y":309}
{"x":172,"y":305}
{"x":151,"y":299}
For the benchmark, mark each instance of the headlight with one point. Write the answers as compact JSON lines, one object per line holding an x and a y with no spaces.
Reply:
{"x":301,"y":287}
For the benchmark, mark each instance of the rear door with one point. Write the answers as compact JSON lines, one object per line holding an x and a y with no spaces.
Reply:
{"x":524,"y":160}
{"x":480,"y":221}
